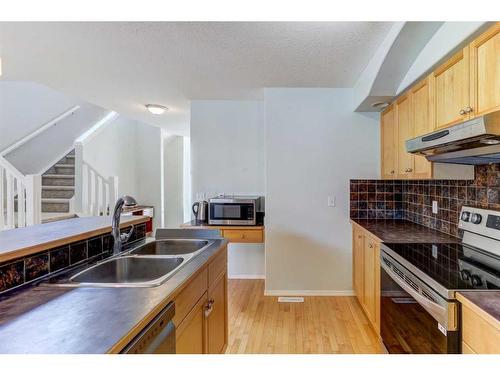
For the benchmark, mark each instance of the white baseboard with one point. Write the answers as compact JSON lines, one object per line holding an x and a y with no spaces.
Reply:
{"x":311,"y":293}
{"x":245,"y":277}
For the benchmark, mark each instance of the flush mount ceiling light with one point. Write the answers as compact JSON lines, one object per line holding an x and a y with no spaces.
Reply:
{"x":156,"y":109}
{"x":380,"y":105}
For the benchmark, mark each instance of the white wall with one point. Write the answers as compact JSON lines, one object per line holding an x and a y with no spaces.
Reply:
{"x":173,"y":154}
{"x":25,"y":106}
{"x":228,"y":156}
{"x":149,"y":166}
{"x":315,"y":143}
{"x":112,"y":153}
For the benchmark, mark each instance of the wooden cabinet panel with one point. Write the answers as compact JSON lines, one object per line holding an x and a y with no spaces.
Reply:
{"x":451,"y":90}
{"x":466,"y":349}
{"x":244,"y":235}
{"x":405,"y":132}
{"x":366,"y":275}
{"x":357,"y":261}
{"x":485,"y":72}
{"x":217,"y":319}
{"x":189,"y":295}
{"x":388,"y":142}
{"x":217,"y":267}
{"x":191,"y":333}
{"x":422,"y":118}
{"x":478,"y":334}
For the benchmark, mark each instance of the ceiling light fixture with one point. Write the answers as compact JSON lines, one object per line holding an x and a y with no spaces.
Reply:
{"x":380,"y":105}
{"x":156,"y":109}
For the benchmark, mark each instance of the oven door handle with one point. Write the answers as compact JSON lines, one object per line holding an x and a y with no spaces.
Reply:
{"x":438,"y":312}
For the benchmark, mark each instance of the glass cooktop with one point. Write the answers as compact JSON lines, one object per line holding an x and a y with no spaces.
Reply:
{"x":453,"y":265}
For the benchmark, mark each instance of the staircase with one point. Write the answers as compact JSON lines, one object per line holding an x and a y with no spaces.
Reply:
{"x":58,"y":190}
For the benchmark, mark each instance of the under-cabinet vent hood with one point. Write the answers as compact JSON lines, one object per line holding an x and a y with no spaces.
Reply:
{"x":474,"y":142}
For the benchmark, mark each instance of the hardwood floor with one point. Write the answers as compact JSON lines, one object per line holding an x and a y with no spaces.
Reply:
{"x":259,"y":324}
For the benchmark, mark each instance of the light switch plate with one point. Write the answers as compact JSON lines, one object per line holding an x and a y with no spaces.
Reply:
{"x":331,"y":201}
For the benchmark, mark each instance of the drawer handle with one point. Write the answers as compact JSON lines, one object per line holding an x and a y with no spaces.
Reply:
{"x":370,"y":245}
{"x":209,"y":307}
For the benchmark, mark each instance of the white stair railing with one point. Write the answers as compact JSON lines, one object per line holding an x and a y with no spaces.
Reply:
{"x":20,"y":197}
{"x":95,"y":194}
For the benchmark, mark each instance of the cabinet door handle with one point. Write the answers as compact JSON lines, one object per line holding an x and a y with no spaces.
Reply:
{"x":209,"y":307}
{"x":392,"y":172}
{"x":410,"y":170}
{"x":370,"y":245}
{"x":468,"y":109}
{"x":462,"y":112}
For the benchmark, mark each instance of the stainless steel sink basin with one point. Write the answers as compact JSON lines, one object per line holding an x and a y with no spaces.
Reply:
{"x":170,"y":247}
{"x":129,"y":271}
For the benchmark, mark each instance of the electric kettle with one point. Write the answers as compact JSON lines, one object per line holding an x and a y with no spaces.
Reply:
{"x":200,"y":211}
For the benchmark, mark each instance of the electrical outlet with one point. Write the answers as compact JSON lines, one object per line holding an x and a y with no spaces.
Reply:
{"x":331,"y":201}
{"x":434,"y":207}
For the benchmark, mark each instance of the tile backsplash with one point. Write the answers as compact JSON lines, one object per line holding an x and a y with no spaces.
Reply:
{"x":412,"y":199}
{"x":20,"y":271}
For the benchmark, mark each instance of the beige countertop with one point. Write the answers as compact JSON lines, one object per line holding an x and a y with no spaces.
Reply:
{"x":195,"y":224}
{"x":19,"y":242}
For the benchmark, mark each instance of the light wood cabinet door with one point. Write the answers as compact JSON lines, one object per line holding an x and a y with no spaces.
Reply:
{"x":357,"y":264}
{"x":422,"y":119}
{"x":191,"y":333}
{"x":451,"y":90}
{"x":217,"y":316}
{"x":369,"y":280}
{"x":388,"y":143}
{"x":405,"y":132}
{"x":485,"y":72}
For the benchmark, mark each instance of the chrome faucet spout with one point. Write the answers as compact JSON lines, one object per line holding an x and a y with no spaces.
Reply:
{"x":118,"y":238}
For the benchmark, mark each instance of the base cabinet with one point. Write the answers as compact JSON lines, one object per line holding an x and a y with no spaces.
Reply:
{"x":366,"y":274}
{"x":204,"y":328}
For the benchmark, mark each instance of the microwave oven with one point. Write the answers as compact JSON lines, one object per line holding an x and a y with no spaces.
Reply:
{"x":233,"y":210}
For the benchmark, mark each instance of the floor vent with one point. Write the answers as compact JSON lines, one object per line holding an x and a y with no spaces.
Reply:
{"x":291,"y":299}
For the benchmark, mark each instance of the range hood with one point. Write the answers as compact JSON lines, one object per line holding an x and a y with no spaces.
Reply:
{"x":473,"y":142}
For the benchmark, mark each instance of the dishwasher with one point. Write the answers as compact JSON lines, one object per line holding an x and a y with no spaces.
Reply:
{"x":158,"y":337}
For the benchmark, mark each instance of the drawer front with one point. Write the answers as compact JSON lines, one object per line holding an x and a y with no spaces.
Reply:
{"x":478,"y":334}
{"x":188,"y":297}
{"x":217,"y":267}
{"x":244,"y":235}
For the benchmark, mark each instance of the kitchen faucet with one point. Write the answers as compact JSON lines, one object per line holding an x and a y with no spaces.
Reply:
{"x":126,"y":201}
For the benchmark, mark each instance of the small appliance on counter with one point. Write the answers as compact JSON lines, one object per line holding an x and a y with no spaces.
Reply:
{"x":235,"y":210}
{"x":419,"y":311}
{"x":200,"y":211}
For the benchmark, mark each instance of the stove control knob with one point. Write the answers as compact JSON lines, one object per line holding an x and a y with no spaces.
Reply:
{"x":476,"y":280}
{"x":465,"y":216}
{"x":476,"y":218}
{"x":465,"y":275}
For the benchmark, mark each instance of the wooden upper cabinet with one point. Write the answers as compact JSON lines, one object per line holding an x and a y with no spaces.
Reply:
{"x":485,"y":72}
{"x":422,"y":118}
{"x":450,"y":84}
{"x":405,"y":132}
{"x":388,"y":142}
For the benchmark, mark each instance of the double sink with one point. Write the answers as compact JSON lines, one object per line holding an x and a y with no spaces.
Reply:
{"x":148,"y":265}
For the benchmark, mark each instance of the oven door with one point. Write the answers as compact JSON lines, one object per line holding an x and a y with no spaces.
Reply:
{"x":411,"y":323}
{"x":229,"y":213}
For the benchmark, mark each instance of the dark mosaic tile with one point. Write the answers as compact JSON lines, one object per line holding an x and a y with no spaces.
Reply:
{"x":94,"y":246}
{"x":36,"y":266}
{"x":59,"y":258}
{"x":11,"y":275}
{"x":77,"y":252}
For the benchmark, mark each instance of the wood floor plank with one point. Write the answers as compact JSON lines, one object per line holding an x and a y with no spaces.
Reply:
{"x":259,"y":324}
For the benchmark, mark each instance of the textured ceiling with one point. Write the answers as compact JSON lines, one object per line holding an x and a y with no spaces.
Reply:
{"x":121,"y":66}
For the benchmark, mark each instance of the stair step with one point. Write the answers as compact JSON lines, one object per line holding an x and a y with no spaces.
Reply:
{"x":58,"y":193}
{"x":58,"y":180}
{"x":55,"y":205}
{"x":61,"y":165}
{"x":55,"y":187}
